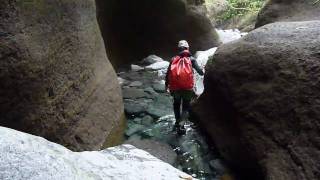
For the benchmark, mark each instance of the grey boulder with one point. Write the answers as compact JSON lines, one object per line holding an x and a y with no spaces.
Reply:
{"x":261,"y":103}
{"x":23,"y":156}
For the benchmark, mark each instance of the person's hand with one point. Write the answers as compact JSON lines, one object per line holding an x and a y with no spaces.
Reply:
{"x":167,"y":89}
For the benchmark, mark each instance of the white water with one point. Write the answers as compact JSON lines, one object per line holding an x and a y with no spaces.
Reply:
{"x":202,"y":59}
{"x":229,"y":35}
{"x":203,"y":56}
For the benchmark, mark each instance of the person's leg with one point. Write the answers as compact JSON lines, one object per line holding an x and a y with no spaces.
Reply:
{"x":185,"y":108}
{"x":186,"y":100}
{"x":176,"y":106}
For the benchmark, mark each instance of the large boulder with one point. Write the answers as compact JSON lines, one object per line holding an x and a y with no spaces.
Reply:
{"x":135,"y":29}
{"x":56,"y":80}
{"x":288,"y":10}
{"x":261,"y":104}
{"x":23,"y":156}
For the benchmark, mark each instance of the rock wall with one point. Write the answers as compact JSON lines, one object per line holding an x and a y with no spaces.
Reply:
{"x":56,"y":80}
{"x":289,"y":10}
{"x":261,"y":104}
{"x":133,"y":30}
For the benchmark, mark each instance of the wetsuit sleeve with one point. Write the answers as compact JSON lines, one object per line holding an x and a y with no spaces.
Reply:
{"x":196,"y":66}
{"x":167,"y":75}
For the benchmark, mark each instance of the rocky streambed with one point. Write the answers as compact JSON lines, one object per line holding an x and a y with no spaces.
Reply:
{"x":150,"y":121}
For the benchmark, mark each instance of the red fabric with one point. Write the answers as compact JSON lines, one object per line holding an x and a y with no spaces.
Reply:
{"x":181,"y":74}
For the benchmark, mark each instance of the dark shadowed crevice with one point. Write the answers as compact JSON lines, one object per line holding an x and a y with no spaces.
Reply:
{"x":133,"y":30}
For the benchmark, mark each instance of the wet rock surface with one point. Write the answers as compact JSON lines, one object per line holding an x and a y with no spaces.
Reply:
{"x":150,"y":126}
{"x":288,"y":10}
{"x":160,"y":150}
{"x":261,"y":102}
{"x":56,"y":80}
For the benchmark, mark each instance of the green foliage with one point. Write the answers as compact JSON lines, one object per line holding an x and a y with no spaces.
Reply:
{"x":241,"y":8}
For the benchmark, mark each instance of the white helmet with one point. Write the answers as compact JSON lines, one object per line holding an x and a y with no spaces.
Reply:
{"x":183,"y":43}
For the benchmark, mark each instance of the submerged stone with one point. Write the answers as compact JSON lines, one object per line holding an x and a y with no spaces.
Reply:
{"x":161,"y":106}
{"x":156,"y":112}
{"x":137,"y":120}
{"x":135,"y":84}
{"x":160,"y":88}
{"x":133,"y":108}
{"x":147,"y":120}
{"x":150,"y":91}
{"x":133,"y":93}
{"x":133,"y":128}
{"x":161,"y":130}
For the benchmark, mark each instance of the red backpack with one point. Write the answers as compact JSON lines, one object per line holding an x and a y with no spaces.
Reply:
{"x":181,"y":74}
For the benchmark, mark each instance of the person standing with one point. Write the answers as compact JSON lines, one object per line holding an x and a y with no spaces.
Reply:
{"x":180,"y":82}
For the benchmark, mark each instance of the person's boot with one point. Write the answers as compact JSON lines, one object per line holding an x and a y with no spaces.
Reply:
{"x":176,"y":125}
{"x":185,"y":116}
{"x":181,"y":129}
